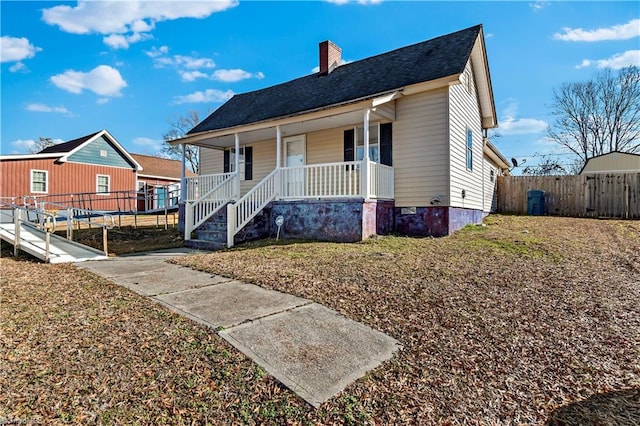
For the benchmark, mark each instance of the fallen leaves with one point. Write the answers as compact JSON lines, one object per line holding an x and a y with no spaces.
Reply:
{"x":498,"y":326}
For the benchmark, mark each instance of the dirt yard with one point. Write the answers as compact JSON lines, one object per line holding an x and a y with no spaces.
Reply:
{"x":529,"y":320}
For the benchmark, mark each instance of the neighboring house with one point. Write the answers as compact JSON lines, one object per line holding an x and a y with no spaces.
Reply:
{"x":392,"y":143}
{"x":613,"y":162}
{"x":94,"y":164}
{"x":159,"y":181}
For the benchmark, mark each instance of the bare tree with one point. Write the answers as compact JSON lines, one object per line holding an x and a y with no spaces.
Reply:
{"x":40,"y":144}
{"x":598,"y":116}
{"x":547,"y":166}
{"x":179,"y":128}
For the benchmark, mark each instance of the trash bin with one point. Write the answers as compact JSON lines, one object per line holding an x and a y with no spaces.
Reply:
{"x":535,"y":202}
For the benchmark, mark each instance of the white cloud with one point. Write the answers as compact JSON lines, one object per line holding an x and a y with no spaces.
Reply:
{"x":231,"y":76}
{"x":191,"y":75}
{"x":127,"y":17}
{"x":511,"y":125}
{"x":102,"y":101}
{"x":181,"y":61}
{"x":148,"y":145}
{"x":157,"y":51}
{"x":617,"y":61}
{"x":616,"y":32}
{"x":120,"y":41}
{"x":18,"y":67}
{"x":538,"y":5}
{"x":15,"y":49}
{"x":27,"y":145}
{"x":38,"y":107}
{"x":209,"y":95}
{"x":103,"y":80}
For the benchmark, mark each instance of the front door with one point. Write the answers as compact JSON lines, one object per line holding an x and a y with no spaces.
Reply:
{"x":295,"y":152}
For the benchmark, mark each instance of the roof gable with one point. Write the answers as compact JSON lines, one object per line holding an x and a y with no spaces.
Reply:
{"x":99,"y":148}
{"x":426,"y":61}
{"x":161,"y":167}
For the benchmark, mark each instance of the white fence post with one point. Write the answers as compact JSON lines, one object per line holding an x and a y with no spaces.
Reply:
{"x":231,"y":224}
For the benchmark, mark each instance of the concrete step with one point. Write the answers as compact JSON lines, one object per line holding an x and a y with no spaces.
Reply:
{"x":205,"y":245}
{"x":212,"y":235}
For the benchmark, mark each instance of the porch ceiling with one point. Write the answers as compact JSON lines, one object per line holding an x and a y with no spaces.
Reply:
{"x":350,"y":118}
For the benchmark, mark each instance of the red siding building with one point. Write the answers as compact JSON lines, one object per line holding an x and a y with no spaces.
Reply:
{"x":94,"y":164}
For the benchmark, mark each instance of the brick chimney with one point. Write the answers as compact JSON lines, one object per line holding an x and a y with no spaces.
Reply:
{"x":330,"y":57}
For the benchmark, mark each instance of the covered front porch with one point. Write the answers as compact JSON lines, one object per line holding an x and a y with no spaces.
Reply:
{"x":257,"y":174}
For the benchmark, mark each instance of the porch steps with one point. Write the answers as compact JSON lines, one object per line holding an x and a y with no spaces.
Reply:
{"x":211,"y":235}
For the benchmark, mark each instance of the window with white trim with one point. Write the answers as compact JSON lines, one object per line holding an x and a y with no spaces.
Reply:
{"x":102,"y":184}
{"x":40,"y":181}
{"x":469,"y":149}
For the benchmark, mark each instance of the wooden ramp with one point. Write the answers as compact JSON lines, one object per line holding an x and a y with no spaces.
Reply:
{"x":61,"y":250}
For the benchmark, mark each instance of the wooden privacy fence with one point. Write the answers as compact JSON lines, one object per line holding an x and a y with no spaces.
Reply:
{"x":593,"y":195}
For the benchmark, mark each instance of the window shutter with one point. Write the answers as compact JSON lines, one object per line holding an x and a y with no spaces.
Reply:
{"x":349,"y":154}
{"x":226,"y":161}
{"x":386,"y":156}
{"x":248,"y":163}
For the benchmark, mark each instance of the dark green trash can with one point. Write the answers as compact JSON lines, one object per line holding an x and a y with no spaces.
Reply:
{"x":535,"y":202}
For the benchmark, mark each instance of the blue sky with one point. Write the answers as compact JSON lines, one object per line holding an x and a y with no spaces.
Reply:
{"x":72,"y":68}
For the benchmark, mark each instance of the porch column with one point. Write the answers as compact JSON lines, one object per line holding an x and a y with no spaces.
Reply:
{"x":237,"y":164}
{"x":183,"y":175}
{"x":278,"y":161}
{"x":365,"y":157}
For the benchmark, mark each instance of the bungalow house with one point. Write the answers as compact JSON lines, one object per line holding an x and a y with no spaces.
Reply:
{"x":392,"y":143}
{"x":612,"y":162}
{"x":158,"y":182}
{"x":93,"y":164}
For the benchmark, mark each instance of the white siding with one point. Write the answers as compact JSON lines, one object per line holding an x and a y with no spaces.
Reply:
{"x":326,"y":146}
{"x":420,"y":149}
{"x":464,"y":113}
{"x":211,"y":161}
{"x":490,"y":185}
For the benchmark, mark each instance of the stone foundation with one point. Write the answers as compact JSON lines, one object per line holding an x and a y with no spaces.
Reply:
{"x":437,"y":221}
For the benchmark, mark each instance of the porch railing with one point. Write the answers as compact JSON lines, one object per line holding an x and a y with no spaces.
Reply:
{"x":198,"y":210}
{"x":382,"y":181}
{"x":247,"y":207}
{"x":329,"y":180}
{"x":199,"y":186}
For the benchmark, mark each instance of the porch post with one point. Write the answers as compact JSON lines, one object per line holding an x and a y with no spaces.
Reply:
{"x":183,"y":175}
{"x":278,"y":161}
{"x":237,"y":164}
{"x":365,"y":158}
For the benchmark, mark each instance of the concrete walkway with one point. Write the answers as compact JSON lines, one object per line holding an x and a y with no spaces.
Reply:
{"x":311,"y":349}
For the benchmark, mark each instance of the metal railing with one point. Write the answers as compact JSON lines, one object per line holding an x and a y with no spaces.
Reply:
{"x":76,"y":216}
{"x":32,"y":218}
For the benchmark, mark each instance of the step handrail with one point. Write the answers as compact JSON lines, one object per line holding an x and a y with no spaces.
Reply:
{"x":199,"y":211}
{"x":246,"y":208}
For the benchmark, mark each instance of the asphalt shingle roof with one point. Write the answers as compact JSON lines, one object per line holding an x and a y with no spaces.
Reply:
{"x":69,"y":146}
{"x":429,"y":60}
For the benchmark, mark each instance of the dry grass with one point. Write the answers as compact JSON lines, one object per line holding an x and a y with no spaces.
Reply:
{"x":528,"y":320}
